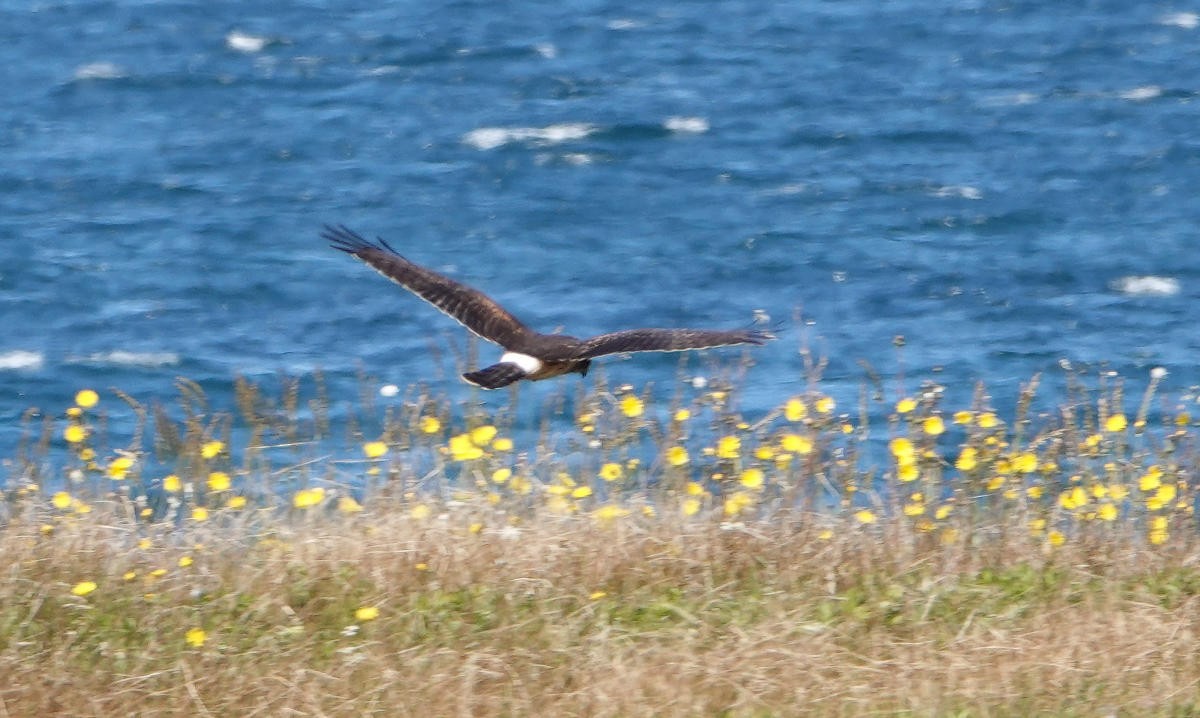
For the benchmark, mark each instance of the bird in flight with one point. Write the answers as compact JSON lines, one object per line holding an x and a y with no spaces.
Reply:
{"x":527,"y":354}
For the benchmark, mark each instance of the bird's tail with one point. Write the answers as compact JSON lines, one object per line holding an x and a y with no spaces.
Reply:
{"x":495,"y":376}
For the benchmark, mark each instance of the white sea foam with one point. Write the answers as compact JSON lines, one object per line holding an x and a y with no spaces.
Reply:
{"x":546,"y":50}
{"x":99,"y":71}
{"x":623,"y":23}
{"x":1146,"y":285}
{"x":1138,"y":94}
{"x":686,"y":124}
{"x":963,"y":191}
{"x":1185,"y":20}
{"x":1015,"y":98}
{"x":121,"y":357}
{"x":489,"y":138}
{"x":18,"y":359}
{"x":245,"y":42}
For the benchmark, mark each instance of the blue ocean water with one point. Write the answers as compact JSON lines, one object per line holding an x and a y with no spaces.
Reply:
{"x":1007,"y":185}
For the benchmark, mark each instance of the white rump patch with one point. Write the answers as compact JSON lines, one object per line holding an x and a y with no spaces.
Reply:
{"x":528,"y":364}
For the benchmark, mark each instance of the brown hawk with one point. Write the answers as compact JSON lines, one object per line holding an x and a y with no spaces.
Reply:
{"x":527,"y":354}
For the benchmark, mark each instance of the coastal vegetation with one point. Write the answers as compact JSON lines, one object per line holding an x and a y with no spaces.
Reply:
{"x":881,"y":554}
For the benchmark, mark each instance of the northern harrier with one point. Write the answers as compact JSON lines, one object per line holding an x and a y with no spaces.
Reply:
{"x":527,"y":354}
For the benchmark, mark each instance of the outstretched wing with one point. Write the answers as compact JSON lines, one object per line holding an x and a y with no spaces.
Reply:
{"x":665,"y":340}
{"x":470,"y":307}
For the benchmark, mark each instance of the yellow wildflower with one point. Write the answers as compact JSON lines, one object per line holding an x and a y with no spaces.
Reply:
{"x":610,"y":471}
{"x":499,"y":476}
{"x":347,"y":505}
{"x":796,"y":444}
{"x":826,"y":405}
{"x":1056,"y":538}
{"x":185,"y":561}
{"x":218,"y":481}
{"x":83,"y":588}
{"x":171,"y":484}
{"x":967,"y":460}
{"x":1151,"y":480}
{"x":74,"y":434}
{"x":987,"y":420}
{"x":307,"y":498}
{"x":463,"y":449}
{"x":795,"y":410}
{"x":86,"y":398}
{"x":865,"y":516}
{"x":632,"y":406}
{"x":483,"y":435}
{"x":738,"y":502}
{"x":905,"y":405}
{"x":199,"y":514}
{"x":374,"y":449}
{"x":430,"y":425}
{"x":581,"y":492}
{"x":236,"y":502}
{"x":195,"y":637}
{"x":752,"y":478}
{"x":502,"y":444}
{"x":729,"y":447}
{"x":1025,"y":463}
{"x":690,"y":506}
{"x":1158,"y":530}
{"x":609,"y":512}
{"x":682,"y":415}
{"x":934,"y":426}
{"x":907,"y":470}
{"x":694,"y":488}
{"x":902,"y":448}
{"x":1073,"y":498}
{"x":1115,"y":423}
{"x":211,"y":448}
{"x":1107,"y":512}
{"x":366,"y":613}
{"x":677,"y":456}
{"x":963,"y":417}
{"x":420,"y":512}
{"x":61,"y":500}
{"x":119,"y":467}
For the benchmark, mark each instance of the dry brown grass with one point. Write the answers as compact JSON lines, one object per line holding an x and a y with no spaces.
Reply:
{"x":648,"y":616}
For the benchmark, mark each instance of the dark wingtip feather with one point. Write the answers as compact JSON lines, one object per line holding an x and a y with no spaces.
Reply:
{"x":759,"y":336}
{"x":343,"y":238}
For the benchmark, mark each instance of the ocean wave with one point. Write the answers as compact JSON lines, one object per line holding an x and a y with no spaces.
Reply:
{"x":99,"y":71}
{"x":489,"y":138}
{"x":245,"y":42}
{"x":1185,"y":20}
{"x":120,"y":357}
{"x":18,"y":359}
{"x":962,"y":191}
{"x":686,"y":124}
{"x":1145,"y":285}
{"x":1140,"y":94}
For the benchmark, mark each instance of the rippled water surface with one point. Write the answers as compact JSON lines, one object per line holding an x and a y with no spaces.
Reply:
{"x":1007,"y":185}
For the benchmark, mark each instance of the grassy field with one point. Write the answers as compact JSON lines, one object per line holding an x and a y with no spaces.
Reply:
{"x":652,"y":560}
